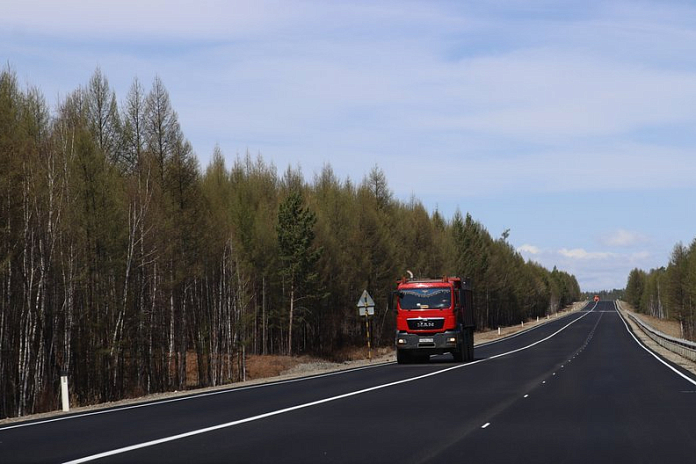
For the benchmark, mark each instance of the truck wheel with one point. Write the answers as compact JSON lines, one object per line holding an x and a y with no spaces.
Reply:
{"x":470,"y":345}
{"x":403,"y":357}
{"x":459,"y":354}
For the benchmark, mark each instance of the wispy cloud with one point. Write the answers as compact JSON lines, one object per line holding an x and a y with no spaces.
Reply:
{"x":580,"y":253}
{"x":129,"y":20}
{"x":595,"y":270}
{"x":623,"y":238}
{"x":529,"y":249}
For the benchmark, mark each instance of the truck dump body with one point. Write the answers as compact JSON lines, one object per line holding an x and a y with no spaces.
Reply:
{"x":433,"y":317}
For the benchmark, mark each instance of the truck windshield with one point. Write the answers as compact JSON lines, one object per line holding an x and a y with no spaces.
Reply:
{"x":425,"y":298}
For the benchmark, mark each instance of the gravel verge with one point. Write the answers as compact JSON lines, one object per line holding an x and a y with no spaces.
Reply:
{"x":656,"y":348}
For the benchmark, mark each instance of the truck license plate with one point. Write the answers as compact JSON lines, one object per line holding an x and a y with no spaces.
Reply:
{"x":426,"y":340}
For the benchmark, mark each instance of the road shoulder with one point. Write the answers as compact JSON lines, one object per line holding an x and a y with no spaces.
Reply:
{"x":666,"y":354}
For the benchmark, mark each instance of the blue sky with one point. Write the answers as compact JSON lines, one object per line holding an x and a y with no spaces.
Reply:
{"x":570,"y":123}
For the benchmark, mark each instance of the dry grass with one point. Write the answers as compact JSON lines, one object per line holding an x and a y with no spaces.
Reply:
{"x":667,"y":327}
{"x":262,"y":367}
{"x":268,"y":366}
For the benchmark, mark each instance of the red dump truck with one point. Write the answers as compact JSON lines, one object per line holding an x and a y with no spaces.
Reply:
{"x":433,"y":316}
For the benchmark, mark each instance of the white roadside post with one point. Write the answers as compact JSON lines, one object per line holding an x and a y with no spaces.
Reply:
{"x":64,"y":396}
{"x":366,"y":308}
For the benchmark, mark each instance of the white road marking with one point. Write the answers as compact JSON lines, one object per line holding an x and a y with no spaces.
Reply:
{"x":688,"y":379}
{"x":191,"y":396}
{"x":523,"y":332}
{"x":310,"y":404}
{"x":233,"y":389}
{"x":485,"y":425}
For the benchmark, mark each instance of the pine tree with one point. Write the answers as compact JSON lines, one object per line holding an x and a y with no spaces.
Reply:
{"x":297,"y":255}
{"x":634,"y":287}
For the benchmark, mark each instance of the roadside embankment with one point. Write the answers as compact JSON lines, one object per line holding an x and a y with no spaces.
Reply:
{"x":670,"y":328}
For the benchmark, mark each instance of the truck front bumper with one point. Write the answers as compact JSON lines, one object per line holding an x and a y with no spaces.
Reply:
{"x":437,"y":343}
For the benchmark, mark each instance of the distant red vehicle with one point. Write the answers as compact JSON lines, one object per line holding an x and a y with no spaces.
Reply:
{"x":433,"y":316}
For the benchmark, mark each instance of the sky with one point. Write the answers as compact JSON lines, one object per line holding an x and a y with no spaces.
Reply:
{"x":572,"y":124}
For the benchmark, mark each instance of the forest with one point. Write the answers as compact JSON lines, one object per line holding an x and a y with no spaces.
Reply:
{"x":126,"y":265}
{"x":668,"y":292}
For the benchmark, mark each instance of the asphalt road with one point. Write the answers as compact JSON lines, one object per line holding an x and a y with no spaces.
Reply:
{"x":577,"y":389}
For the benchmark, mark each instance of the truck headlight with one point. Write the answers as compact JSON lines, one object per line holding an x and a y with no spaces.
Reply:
{"x":401,"y":341}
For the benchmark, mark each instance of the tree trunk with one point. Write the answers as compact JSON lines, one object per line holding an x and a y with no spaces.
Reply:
{"x":292,"y":308}
{"x":264,"y":321}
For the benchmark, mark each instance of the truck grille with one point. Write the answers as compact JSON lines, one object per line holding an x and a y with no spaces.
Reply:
{"x":433,"y":323}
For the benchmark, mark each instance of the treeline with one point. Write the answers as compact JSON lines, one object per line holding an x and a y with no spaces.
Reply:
{"x":124,"y":264}
{"x":668,"y":293}
{"x":613,"y":294}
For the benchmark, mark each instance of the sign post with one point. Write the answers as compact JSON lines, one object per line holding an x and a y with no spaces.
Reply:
{"x":366,"y":308}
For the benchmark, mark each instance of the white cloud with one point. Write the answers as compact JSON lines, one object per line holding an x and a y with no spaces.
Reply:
{"x":529,"y":249}
{"x":594,"y":270}
{"x":582,"y":254}
{"x":551,"y":94}
{"x":135,"y":19}
{"x":623,"y":238}
{"x":618,"y":166}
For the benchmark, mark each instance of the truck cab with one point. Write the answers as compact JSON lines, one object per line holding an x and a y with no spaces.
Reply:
{"x":433,"y":316}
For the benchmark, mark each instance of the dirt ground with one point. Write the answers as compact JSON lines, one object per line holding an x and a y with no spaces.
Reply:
{"x":670,"y":328}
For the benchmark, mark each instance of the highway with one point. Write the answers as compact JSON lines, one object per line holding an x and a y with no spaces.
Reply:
{"x":580,"y":388}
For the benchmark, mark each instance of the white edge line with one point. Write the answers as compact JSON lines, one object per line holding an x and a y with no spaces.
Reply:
{"x":542,"y":340}
{"x":306,"y":405}
{"x":265,"y":415}
{"x":191,"y":396}
{"x":538,"y":326}
{"x":232,"y":389}
{"x":685,"y":377}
